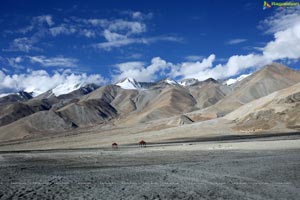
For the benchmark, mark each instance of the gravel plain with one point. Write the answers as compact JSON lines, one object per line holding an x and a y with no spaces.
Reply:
{"x":207,"y":170}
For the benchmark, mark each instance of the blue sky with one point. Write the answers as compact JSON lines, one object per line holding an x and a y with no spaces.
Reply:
{"x":146,"y":40}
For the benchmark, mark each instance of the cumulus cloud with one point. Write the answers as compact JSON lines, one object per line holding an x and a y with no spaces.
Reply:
{"x":285,"y":27}
{"x":284,"y":46}
{"x":140,"y":72}
{"x":40,"y":81}
{"x":161,"y":68}
{"x":281,"y":20}
{"x":193,"y":69}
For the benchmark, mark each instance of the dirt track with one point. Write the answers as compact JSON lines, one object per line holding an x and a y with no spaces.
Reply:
{"x":152,"y":173}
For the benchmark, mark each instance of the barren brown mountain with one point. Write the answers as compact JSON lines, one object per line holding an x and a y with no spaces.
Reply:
{"x":269,"y":79}
{"x":278,"y":109}
{"x":164,"y":108}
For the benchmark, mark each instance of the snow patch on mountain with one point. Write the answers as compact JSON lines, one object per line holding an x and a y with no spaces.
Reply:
{"x":188,"y":82}
{"x":129,"y":84}
{"x":66,"y":88}
{"x":234,"y":80}
{"x":170,"y":81}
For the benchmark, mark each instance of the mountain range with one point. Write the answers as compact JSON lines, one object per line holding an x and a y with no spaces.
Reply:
{"x":263,"y":101}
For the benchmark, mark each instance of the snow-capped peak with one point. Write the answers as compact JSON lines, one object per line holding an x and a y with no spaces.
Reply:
{"x":188,"y":81}
{"x":129,"y":84}
{"x":234,"y":80}
{"x":66,"y":88}
{"x":170,"y":81}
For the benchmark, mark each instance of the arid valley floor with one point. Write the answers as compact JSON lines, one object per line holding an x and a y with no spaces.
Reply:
{"x":207,"y":140}
{"x":257,"y":168}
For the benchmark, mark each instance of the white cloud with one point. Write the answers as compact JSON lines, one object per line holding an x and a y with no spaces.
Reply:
{"x":282,"y":19}
{"x":285,"y":26}
{"x":113,"y":44}
{"x":44,"y":19}
{"x":163,"y":38}
{"x":200,"y":70}
{"x":139,"y":15}
{"x":285,"y":45}
{"x":96,"y":22}
{"x":88,"y":33}
{"x":15,"y":62}
{"x":20,"y":62}
{"x":92,"y":27}
{"x":129,"y":27}
{"x":115,"y":32}
{"x":54,"y":61}
{"x":41,"y":81}
{"x":193,"y":69}
{"x":69,"y":29}
{"x":127,"y":41}
{"x":62,"y":29}
{"x":36,"y":22}
{"x":110,"y":36}
{"x":38,"y":27}
{"x":236,"y":41}
{"x":193,"y":58}
{"x":119,"y":32}
{"x":23,"y":44}
{"x":134,"y":55}
{"x":140,"y":72}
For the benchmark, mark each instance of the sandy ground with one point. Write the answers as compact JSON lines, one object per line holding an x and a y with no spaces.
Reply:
{"x":244,"y":169}
{"x":99,"y":136}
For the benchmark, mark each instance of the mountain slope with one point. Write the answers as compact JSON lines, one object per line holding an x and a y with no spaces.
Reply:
{"x":160,"y":101}
{"x":129,"y":84}
{"x":279,"y":108}
{"x":78,"y":92}
{"x":169,"y":102}
{"x":180,"y":120}
{"x":188,"y":82}
{"x":261,"y":83}
{"x":162,"y":104}
{"x":87,"y":112}
{"x":121,"y":99}
{"x":232,"y":81}
{"x":208,"y":92}
{"x":13,"y":98}
{"x":12,"y":112}
{"x":34,"y":125}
